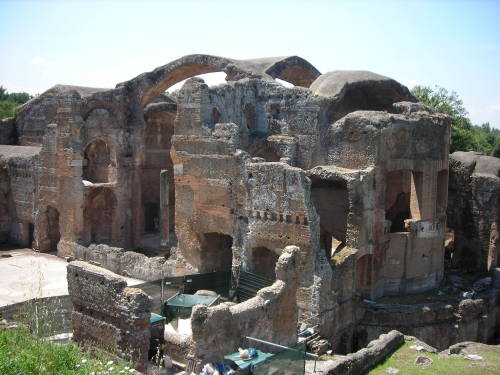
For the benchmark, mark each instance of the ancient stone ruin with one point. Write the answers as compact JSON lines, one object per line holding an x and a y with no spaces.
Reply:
{"x":346,"y":168}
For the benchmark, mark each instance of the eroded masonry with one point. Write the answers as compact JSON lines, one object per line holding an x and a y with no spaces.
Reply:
{"x":346,"y":168}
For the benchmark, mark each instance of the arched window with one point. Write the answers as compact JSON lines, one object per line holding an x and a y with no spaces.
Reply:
{"x":100,"y":163}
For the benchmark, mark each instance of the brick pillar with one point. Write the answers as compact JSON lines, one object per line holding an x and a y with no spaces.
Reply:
{"x":164,"y":208}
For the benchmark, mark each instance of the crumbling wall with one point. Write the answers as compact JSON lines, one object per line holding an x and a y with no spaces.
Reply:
{"x":126,"y":263}
{"x":280,"y":213}
{"x":363,"y":360}
{"x":19,"y":167}
{"x":107,"y":314}
{"x":438,"y":323}
{"x":270,"y":316}
{"x":408,"y":259}
{"x":473,"y":209}
{"x":338,"y":322}
{"x":250,"y":207}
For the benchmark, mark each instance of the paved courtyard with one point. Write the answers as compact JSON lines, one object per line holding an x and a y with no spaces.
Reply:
{"x":26,"y":274}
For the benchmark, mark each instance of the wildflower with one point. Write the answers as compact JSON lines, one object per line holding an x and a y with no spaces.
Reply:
{"x":84,"y":361}
{"x":110,"y":362}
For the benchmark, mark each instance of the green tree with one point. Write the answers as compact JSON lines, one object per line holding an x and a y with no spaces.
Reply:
{"x":3,"y":93}
{"x":7,"y":108}
{"x":442,"y":100}
{"x":9,"y":102}
{"x":464,"y":135}
{"x":19,"y":97}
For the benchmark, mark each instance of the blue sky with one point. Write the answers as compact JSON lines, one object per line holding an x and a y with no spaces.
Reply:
{"x":453,"y":44}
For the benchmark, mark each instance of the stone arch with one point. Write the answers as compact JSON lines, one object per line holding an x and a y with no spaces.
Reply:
{"x":264,"y":262}
{"x":294,"y":70}
{"x":99,"y":215}
{"x":149,"y":85}
{"x":100,"y":159}
{"x":99,"y":107}
{"x":154,"y":83}
{"x":53,"y":231}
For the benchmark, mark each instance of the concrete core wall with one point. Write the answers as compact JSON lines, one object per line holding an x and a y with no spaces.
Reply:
{"x":107,"y":314}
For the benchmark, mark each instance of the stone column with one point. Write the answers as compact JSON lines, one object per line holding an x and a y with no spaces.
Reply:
{"x":164,"y":208}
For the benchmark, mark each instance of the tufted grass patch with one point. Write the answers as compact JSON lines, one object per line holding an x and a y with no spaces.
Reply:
{"x":403,"y":359}
{"x":23,"y":353}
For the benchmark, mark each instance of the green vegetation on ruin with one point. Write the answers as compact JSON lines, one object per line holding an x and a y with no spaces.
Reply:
{"x":23,"y":353}
{"x":403,"y":360}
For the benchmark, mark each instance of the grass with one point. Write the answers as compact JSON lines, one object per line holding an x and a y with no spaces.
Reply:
{"x":404,"y":360}
{"x":23,"y":353}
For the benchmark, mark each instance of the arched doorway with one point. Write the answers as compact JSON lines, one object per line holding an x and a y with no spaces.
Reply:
{"x":100,"y":163}
{"x":264,"y":262}
{"x":53,"y":233}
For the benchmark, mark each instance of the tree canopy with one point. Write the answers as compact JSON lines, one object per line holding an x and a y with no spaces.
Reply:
{"x":9,"y":102}
{"x":464,"y":135}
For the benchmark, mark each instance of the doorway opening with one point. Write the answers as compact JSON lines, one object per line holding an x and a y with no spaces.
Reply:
{"x":216,"y":252}
{"x":53,"y":233}
{"x":264,"y":262}
{"x":331,"y":200}
{"x":151,"y":218}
